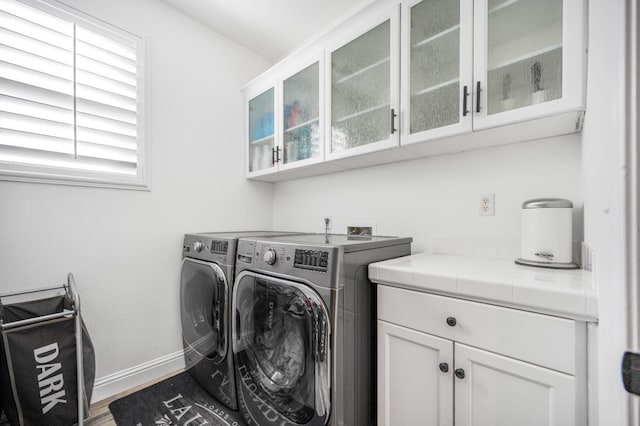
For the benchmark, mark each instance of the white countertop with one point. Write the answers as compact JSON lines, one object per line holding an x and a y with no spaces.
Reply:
{"x":566,"y":293}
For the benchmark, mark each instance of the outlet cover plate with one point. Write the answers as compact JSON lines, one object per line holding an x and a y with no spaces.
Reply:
{"x":487,"y":205}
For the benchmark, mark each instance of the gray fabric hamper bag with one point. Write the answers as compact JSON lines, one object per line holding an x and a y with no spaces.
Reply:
{"x":38,"y":364}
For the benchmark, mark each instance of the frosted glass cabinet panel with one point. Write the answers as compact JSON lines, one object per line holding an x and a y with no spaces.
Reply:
{"x":524,"y":53}
{"x":363,"y":82}
{"x":261,"y":131}
{"x":301,"y":115}
{"x":360,"y":90}
{"x":437,"y":68}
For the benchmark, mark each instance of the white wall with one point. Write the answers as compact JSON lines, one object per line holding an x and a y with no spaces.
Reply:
{"x":124,"y":247}
{"x":436,"y":200}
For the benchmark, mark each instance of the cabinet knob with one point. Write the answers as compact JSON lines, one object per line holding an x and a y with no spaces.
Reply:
{"x":459,"y":373}
{"x":444,"y":367}
{"x":451,"y":322}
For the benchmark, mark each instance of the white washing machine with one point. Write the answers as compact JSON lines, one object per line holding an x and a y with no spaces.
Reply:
{"x":304,"y":328}
{"x":206,"y":279}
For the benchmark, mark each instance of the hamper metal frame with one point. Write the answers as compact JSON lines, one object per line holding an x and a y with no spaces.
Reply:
{"x":72,"y":294}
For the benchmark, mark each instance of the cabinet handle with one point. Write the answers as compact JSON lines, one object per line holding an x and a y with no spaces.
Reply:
{"x":278,"y":159}
{"x":444,"y":367}
{"x":451,"y":322}
{"x":273,"y":156}
{"x":477,"y":96}
{"x":393,"y":121}
{"x":459,"y":373}
{"x":465,"y":95}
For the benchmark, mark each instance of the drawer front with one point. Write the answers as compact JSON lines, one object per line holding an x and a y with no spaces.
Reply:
{"x":539,"y":339}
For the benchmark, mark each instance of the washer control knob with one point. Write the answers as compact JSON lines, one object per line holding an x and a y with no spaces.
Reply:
{"x":198,"y":246}
{"x":270,"y":256}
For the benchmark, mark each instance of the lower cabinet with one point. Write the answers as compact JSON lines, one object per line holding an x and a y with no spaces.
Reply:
{"x":430,"y":375}
{"x":415,"y":385}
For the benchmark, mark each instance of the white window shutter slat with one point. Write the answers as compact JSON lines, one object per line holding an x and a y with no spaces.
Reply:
{"x":106,"y":84}
{"x":34,"y":15}
{"x":35,"y":78}
{"x":35,"y":142}
{"x":105,"y":70}
{"x":97,"y":54}
{"x":36,"y":110}
{"x":100,"y":137}
{"x":61,"y":37}
{"x":118,"y":128}
{"x":37,"y":47}
{"x":106,"y":152}
{"x":33,"y":93}
{"x":36,"y":63}
{"x":107,"y":111}
{"x":120,"y":46}
{"x":105,"y":97}
{"x":36,"y":126}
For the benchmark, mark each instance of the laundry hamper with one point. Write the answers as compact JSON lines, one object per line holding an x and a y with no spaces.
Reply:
{"x":46,"y":356}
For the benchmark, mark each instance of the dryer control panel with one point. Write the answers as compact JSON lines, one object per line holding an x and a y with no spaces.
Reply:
{"x":198,"y":246}
{"x":315,"y":264}
{"x":313,"y":260}
{"x":220,"y":247}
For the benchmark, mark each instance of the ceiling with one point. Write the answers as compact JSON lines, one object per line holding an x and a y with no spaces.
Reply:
{"x":271,"y":28}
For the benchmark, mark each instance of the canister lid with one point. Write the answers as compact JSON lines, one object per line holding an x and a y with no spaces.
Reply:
{"x":547,"y":203}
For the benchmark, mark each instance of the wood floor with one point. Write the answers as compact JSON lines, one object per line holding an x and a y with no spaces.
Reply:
{"x":99,"y":412}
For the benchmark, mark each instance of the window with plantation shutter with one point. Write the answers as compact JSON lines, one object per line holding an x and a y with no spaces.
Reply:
{"x":71,"y":98}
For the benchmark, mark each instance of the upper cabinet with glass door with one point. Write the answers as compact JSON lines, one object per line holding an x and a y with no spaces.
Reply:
{"x":437,"y":44}
{"x":474,"y":73}
{"x":261,"y":124}
{"x":301,"y":129}
{"x":363,"y":81}
{"x":529,"y":59}
{"x":524,"y":59}
{"x":284,"y":128}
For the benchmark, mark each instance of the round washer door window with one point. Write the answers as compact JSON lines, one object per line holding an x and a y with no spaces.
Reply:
{"x":281,"y":339}
{"x":203,"y":308}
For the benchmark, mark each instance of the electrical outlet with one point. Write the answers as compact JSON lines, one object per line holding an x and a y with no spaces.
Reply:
{"x":487,"y":205}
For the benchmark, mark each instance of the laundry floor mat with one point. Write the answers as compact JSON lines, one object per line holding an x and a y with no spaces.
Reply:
{"x":176,"y":401}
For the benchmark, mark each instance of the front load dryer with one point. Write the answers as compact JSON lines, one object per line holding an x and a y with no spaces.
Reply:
{"x":206,"y":278}
{"x":304,"y":328}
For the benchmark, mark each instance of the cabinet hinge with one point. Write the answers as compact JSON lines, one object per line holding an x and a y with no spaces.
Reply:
{"x":579,"y":121}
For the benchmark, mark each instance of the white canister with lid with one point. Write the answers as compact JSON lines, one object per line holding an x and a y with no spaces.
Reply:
{"x":547,"y":239}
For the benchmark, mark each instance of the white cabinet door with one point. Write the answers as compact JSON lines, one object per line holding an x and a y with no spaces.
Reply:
{"x":363,"y":83}
{"x":262,"y":120}
{"x":495,"y":390}
{"x":301,"y":106}
{"x":529,"y":59}
{"x":437,"y":51}
{"x":414,"y":378}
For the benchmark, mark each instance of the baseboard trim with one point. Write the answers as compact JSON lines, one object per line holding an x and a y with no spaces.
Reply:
{"x":118,"y":382}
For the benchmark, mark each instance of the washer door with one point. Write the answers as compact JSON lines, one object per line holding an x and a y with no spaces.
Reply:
{"x":281,"y":348}
{"x":203,"y":305}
